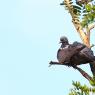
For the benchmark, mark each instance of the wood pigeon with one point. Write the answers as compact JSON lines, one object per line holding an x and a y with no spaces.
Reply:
{"x":66,"y":51}
{"x":74,"y":54}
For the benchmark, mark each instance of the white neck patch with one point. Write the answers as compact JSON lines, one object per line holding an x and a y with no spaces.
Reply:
{"x":65,"y":47}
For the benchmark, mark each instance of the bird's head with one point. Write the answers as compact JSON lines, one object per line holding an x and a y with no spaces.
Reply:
{"x":64,"y":40}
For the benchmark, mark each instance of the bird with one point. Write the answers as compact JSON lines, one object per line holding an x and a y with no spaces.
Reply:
{"x":66,"y":51}
{"x":75,"y":54}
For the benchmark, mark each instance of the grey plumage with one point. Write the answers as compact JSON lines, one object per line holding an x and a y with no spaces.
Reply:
{"x":67,"y":50}
{"x":74,"y":54}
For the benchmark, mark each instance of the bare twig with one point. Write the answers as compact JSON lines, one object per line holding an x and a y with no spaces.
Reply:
{"x":91,"y":26}
{"x":87,"y":76}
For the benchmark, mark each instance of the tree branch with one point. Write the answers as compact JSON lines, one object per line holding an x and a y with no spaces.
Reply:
{"x":77,"y":24}
{"x":91,"y":26}
{"x":87,"y":76}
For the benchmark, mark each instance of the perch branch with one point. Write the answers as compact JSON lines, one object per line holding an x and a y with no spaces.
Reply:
{"x":87,"y":76}
{"x":84,"y":74}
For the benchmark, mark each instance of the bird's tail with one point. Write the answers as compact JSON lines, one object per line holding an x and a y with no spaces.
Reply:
{"x":92,"y":66}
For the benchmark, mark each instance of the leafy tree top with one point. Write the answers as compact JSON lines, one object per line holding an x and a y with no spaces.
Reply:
{"x":84,"y":11}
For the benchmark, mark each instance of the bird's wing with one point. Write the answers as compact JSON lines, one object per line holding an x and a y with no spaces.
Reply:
{"x":88,"y":53}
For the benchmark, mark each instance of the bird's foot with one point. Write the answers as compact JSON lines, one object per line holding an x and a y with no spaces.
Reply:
{"x":74,"y":66}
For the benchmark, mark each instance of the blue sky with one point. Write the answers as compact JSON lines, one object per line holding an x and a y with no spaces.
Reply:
{"x":29,"y":37}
